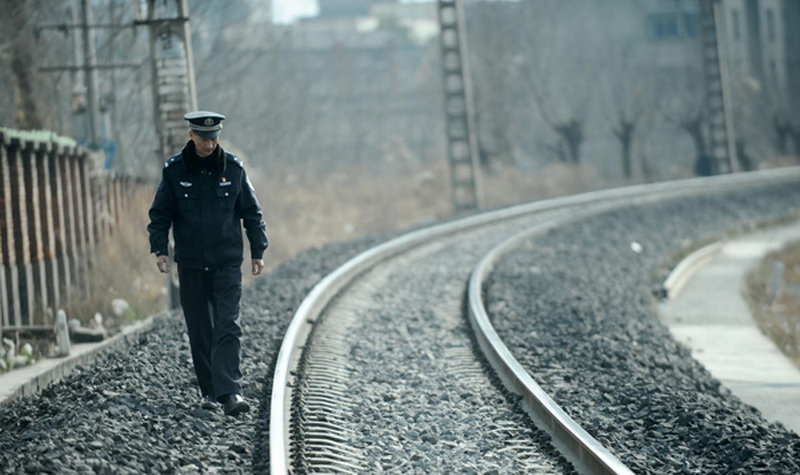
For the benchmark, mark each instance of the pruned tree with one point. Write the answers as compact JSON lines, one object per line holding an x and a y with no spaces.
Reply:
{"x":628,"y":99}
{"x":494,"y":43}
{"x":682,"y":104}
{"x":558,"y":70}
{"x":18,"y":53}
{"x":785,"y":120}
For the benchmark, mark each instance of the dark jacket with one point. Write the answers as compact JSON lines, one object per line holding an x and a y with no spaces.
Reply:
{"x":206,"y":201}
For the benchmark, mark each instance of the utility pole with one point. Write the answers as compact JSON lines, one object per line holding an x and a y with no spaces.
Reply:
{"x":173,"y":82}
{"x":79,"y":109}
{"x":725,"y":76}
{"x":183,"y":12}
{"x":462,"y":149}
{"x":720,"y":134}
{"x":173,"y":87}
{"x":90,"y":74}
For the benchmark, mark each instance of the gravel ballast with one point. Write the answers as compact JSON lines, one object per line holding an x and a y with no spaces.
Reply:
{"x":137,"y":411}
{"x":576,"y":308}
{"x":412,"y":393}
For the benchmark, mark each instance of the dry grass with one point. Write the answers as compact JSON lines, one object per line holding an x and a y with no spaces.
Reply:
{"x":306,"y":209}
{"x":773,"y":292}
{"x":122,"y":269}
{"x":506,"y":185}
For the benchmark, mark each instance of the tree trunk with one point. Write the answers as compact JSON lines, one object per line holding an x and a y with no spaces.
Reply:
{"x":624,"y":133}
{"x":21,"y":40}
{"x":648,"y":174}
{"x":27,"y":114}
{"x":571,"y":134}
{"x":782,"y":131}
{"x":794,"y":134}
{"x":704,"y":163}
{"x":745,"y":161}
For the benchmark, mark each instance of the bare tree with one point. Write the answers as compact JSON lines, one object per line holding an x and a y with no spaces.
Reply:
{"x":19,"y":53}
{"x":785,"y":120}
{"x":628,"y":99}
{"x":682,"y":104}
{"x":307,"y":98}
{"x":558,"y":68}
{"x":493,"y":38}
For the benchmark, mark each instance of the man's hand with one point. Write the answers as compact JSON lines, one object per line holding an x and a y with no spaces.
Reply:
{"x":162,"y":262}
{"x":258,"y":266}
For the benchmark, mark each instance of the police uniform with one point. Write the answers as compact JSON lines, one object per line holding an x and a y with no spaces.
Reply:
{"x":206,"y":200}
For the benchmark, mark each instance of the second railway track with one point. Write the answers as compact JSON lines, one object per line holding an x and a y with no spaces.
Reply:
{"x":572,"y":305}
{"x":391,"y":378}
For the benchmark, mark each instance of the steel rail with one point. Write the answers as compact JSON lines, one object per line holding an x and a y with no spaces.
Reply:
{"x":585,"y":453}
{"x":328,"y":287}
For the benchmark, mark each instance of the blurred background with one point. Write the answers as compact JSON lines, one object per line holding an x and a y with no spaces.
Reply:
{"x":341,"y":109}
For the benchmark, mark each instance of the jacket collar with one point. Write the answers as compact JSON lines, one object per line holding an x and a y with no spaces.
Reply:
{"x":194,"y":163}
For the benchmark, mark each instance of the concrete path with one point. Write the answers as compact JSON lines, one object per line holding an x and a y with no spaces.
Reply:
{"x":707,"y":312}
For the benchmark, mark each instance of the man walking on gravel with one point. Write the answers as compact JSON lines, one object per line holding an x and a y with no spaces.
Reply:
{"x":206,"y":197}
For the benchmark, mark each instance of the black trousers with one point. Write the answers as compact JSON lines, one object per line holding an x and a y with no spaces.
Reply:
{"x":211,"y":307}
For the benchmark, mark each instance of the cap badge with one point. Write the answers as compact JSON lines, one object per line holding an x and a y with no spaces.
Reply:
{"x":209,"y":121}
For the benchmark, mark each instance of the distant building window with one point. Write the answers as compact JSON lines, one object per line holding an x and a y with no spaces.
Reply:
{"x":672,"y":25}
{"x":770,"y":25}
{"x":691,"y":25}
{"x":735,"y":21}
{"x":662,"y":26}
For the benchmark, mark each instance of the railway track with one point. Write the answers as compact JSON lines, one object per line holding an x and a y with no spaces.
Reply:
{"x":375,"y":339}
{"x":573,"y":304}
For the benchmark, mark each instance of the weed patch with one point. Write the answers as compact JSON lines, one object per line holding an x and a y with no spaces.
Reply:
{"x":773,"y":293}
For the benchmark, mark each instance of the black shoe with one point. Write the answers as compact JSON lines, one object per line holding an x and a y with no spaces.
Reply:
{"x":235,"y":404}
{"x":209,"y":403}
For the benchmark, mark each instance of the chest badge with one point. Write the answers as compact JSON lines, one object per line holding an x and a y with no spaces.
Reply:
{"x":224,"y":182}
{"x":185,"y":184}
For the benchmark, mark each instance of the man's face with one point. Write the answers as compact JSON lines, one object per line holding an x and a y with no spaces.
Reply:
{"x":204,"y":147}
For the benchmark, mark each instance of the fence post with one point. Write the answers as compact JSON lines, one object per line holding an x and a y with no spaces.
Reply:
{"x":21,"y":280}
{"x":38,"y":286}
{"x":78,"y":220}
{"x":44,"y":155}
{"x":66,"y":229}
{"x":59,"y":216}
{"x":6,"y":235}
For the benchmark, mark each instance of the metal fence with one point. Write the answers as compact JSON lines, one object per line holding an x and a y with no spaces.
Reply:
{"x":55,"y":207}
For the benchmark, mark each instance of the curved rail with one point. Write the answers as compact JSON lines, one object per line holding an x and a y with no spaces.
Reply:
{"x":327,"y":288}
{"x":584,"y":451}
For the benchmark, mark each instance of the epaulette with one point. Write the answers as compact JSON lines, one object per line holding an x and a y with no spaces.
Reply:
{"x":173,"y":159}
{"x":233,"y":158}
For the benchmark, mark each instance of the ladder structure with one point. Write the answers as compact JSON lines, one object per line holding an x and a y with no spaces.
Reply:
{"x":172,"y":72}
{"x":719,"y":133}
{"x":462,"y":150}
{"x":173,"y":87}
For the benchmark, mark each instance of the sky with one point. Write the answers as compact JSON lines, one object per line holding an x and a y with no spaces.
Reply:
{"x":286,"y":11}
